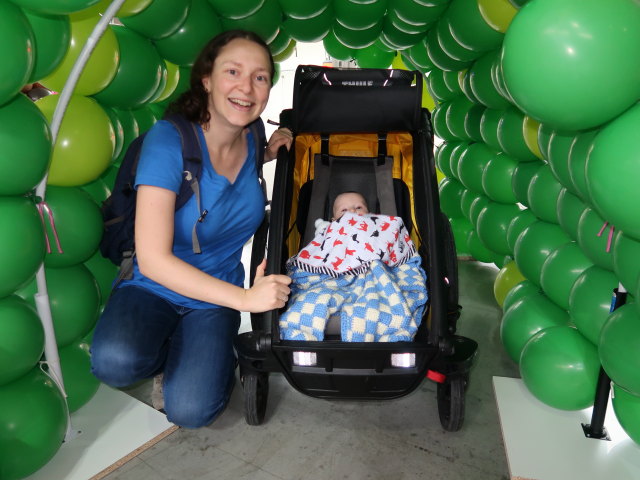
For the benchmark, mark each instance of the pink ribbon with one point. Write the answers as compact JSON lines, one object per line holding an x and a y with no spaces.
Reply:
{"x":609,"y":236}
{"x":43,"y":208}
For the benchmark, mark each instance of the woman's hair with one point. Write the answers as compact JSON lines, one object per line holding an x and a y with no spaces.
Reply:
{"x":193,"y":103}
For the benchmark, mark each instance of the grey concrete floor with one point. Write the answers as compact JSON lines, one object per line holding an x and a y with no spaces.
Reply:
{"x":307,"y":438}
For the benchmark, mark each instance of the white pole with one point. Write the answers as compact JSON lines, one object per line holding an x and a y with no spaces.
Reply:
{"x":42,"y":297}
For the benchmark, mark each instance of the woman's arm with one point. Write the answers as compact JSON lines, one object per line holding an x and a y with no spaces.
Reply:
{"x":154,"y":239}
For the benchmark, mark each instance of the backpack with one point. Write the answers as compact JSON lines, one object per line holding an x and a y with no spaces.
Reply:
{"x":119,"y":209}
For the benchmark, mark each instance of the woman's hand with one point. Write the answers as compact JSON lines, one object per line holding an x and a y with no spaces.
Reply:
{"x":268,"y":292}
{"x":282,"y":136}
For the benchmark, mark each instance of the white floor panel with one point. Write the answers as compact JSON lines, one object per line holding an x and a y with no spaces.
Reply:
{"x":544,"y":443}
{"x":115,"y":427}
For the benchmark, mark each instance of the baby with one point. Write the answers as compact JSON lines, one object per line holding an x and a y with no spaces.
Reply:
{"x":345,"y":202}
{"x":362,"y":267}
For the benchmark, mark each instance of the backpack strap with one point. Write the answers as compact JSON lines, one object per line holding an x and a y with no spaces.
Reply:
{"x":192,"y":171}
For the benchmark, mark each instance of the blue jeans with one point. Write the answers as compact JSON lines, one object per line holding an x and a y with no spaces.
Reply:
{"x":140,"y":335}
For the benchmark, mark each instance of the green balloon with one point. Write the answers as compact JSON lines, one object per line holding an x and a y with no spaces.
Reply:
{"x":21,"y":338}
{"x":497,"y":176}
{"x":104,"y":273}
{"x":439,"y":57}
{"x":403,"y":25}
{"x":454,"y":158}
{"x":265,"y":21}
{"x":479,"y":202}
{"x":55,"y":7}
{"x":139,"y":71}
{"x":439,"y":122}
{"x":159,"y":20}
{"x":456,"y":117}
{"x":478,"y":250}
{"x":237,"y":9}
{"x":442,"y":157}
{"x":558,"y":157}
{"x":561,"y":270}
{"x":560,"y":368}
{"x":626,"y":260}
{"x":33,"y":423}
{"x":419,"y":57}
{"x":522,"y":177}
{"x":281,"y":43}
{"x":450,"y":194}
{"x":590,"y":301}
{"x":357,"y":15}
{"x":302,"y":10}
{"x":461,"y":228}
{"x":22,"y":247}
{"x":336,"y":48}
{"x":357,"y":38}
{"x":472,"y":163}
{"x":617,"y":347}
{"x":144,"y":118}
{"x":627,"y":409}
{"x":374,"y":57}
{"x":469,"y":28}
{"x":182,"y":46}
{"x":534,"y":245}
{"x":543,"y":193}
{"x":51,"y":35}
{"x":525,"y":317}
{"x":79,"y":383}
{"x":472,"y":122}
{"x":17,"y":44}
{"x":130,"y":129}
{"x":611,"y":170}
{"x":492,"y":226}
{"x":489,"y":127}
{"x":544,"y":138}
{"x":78,"y":224}
{"x":578,"y":154}
{"x":418,"y":13}
{"x":569,"y":210}
{"x":98,"y":190}
{"x":555,"y":71}
{"x":519,"y":291}
{"x":511,"y":136}
{"x":593,"y":243}
{"x":74,"y":297}
{"x":24,"y":135}
{"x":482,"y":84}
{"x":466,"y":201}
{"x":109,"y":176}
{"x":450,"y":46}
{"x":117,"y":130}
{"x":520,"y":221}
{"x":399,"y":39}
{"x":438,"y":88}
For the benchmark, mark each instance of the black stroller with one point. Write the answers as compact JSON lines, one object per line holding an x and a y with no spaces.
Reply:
{"x":362,"y":130}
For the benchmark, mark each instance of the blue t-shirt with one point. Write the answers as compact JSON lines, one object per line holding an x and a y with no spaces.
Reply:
{"x":235,"y":210}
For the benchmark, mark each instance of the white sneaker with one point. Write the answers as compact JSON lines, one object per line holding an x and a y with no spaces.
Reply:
{"x":157,"y":398}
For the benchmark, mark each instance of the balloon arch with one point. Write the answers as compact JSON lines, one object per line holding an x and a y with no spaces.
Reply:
{"x":536,"y":104}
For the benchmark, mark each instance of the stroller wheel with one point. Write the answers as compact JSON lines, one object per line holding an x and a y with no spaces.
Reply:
{"x":256,"y":391}
{"x":451,"y":403}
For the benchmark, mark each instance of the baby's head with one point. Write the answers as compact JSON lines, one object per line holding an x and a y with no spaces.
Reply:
{"x":349,"y":202}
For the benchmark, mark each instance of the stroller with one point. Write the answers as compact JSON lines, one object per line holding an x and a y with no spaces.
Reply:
{"x":361,"y":130}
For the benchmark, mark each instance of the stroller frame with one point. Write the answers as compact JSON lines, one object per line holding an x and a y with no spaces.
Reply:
{"x":332,"y":100}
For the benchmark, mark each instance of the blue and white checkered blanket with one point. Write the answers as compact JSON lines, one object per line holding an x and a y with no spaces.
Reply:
{"x":381,"y":304}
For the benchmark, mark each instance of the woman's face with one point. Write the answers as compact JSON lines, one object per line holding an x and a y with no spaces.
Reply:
{"x":239,"y":84}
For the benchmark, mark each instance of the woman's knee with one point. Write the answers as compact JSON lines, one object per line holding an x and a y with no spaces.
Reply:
{"x":116,"y":365}
{"x":194,"y":414}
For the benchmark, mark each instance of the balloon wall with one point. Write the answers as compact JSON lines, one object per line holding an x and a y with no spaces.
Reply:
{"x":536,"y":104}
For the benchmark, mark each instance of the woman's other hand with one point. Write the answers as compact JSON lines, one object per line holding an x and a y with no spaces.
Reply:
{"x":268,"y":292}
{"x":282,"y":136}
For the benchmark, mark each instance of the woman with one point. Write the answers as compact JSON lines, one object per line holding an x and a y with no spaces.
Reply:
{"x":180,"y":311}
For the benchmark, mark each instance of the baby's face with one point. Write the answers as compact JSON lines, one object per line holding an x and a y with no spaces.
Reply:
{"x":349,"y":202}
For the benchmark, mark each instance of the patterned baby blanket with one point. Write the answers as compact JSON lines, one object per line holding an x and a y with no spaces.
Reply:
{"x":363,"y":268}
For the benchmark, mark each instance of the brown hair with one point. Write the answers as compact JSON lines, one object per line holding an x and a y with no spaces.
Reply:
{"x":193,"y":103}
